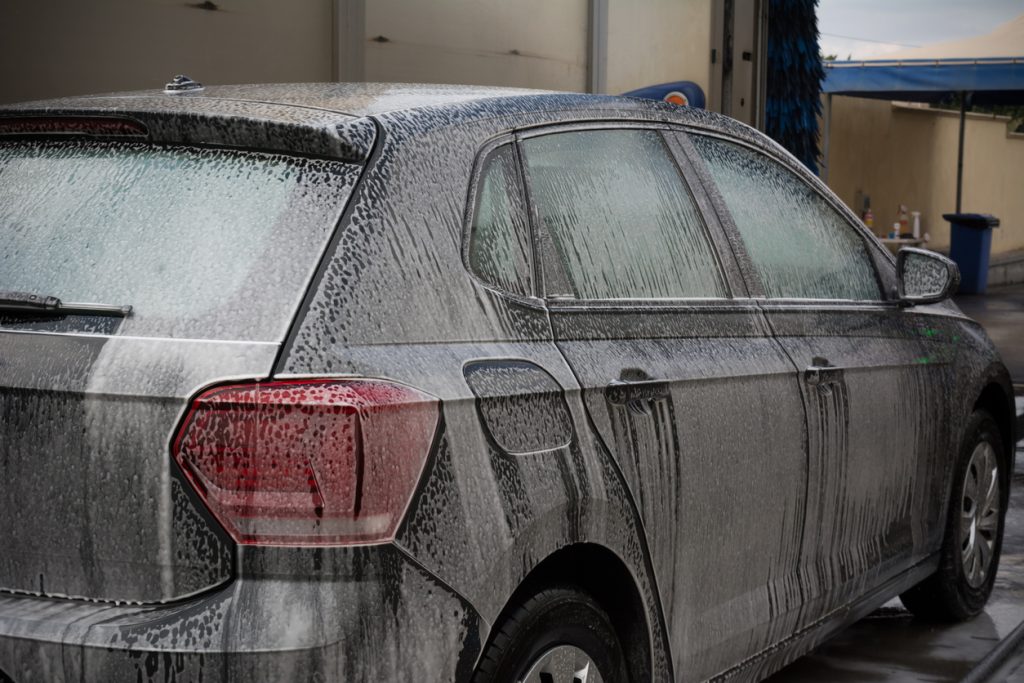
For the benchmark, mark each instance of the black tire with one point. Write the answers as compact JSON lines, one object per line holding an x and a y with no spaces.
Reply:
{"x":562,"y":615}
{"x":947,"y":594}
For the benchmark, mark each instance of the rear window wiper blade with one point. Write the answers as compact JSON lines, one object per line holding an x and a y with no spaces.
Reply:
{"x":25,"y":302}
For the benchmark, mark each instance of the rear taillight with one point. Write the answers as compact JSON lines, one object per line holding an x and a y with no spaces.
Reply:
{"x":308,"y":462}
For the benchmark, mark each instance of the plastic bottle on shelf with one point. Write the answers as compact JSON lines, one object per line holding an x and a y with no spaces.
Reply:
{"x":904,"y":221}
{"x":895,"y":234}
{"x":917,"y":224}
{"x":866,"y":215}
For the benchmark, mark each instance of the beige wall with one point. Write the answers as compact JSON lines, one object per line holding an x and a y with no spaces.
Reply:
{"x":71,"y":47}
{"x":537,"y":43}
{"x":902,"y":155}
{"x":654,"y":41}
{"x":50,"y":48}
{"x":526,"y":43}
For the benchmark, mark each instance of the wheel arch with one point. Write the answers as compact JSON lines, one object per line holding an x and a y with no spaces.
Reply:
{"x":996,"y":398}
{"x":604,"y":576}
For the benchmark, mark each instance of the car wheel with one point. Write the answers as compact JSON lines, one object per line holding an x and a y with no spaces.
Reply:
{"x":974,"y":530}
{"x":559,"y":635}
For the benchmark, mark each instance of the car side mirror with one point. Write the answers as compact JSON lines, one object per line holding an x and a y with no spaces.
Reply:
{"x":924,"y":276}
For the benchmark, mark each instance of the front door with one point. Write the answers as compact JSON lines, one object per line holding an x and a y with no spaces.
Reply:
{"x":683,"y":382}
{"x":872,"y":398}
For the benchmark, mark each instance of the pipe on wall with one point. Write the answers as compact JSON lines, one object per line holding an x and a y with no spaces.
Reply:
{"x":348,"y":41}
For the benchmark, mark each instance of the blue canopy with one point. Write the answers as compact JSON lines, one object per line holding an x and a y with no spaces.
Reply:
{"x":993,"y":80}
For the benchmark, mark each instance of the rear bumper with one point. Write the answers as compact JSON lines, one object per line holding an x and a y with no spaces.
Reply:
{"x":358,"y":614}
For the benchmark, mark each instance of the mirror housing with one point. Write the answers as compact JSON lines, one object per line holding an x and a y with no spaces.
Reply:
{"x":925,"y":277}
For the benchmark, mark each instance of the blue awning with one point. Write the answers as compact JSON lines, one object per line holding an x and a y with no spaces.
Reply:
{"x":993,"y":80}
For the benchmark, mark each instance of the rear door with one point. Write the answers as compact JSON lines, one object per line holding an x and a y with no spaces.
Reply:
{"x":681,"y":379}
{"x":873,"y":398}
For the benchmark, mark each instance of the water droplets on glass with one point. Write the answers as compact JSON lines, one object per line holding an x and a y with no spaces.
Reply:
{"x":500,"y":244}
{"x":200,"y":242}
{"x":801,"y":247}
{"x":923,"y":276}
{"x":621,"y":218}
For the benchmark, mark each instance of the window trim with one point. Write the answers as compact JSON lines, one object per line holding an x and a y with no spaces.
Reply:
{"x":483,"y":154}
{"x":880,"y":263}
{"x":729,"y":272}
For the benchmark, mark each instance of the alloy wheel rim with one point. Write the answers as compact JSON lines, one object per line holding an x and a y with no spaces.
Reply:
{"x":979,"y":514}
{"x":563,"y":664}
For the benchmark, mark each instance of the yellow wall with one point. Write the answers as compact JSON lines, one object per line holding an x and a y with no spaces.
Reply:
{"x":899,"y":154}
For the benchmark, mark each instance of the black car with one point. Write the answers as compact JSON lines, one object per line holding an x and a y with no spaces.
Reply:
{"x":348,"y":382}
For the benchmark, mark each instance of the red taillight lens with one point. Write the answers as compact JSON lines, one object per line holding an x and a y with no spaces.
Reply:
{"x":308,"y":462}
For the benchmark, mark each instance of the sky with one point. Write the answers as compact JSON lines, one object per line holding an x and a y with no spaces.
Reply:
{"x":872,"y":28}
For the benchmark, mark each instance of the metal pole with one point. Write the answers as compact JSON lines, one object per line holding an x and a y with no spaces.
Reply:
{"x":349,"y":40}
{"x":960,"y":150}
{"x":597,"y":54}
{"x":826,"y":138}
{"x":760,"y":93}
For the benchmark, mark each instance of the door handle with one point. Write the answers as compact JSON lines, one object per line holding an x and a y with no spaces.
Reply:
{"x":629,"y":393}
{"x":821,"y":372}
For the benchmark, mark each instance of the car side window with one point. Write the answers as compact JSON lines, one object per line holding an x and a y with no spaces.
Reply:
{"x":499,"y":242}
{"x":621,"y":218}
{"x":800,"y":245}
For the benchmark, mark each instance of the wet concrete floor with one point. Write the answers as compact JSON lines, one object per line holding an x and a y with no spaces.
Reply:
{"x":891,"y":645}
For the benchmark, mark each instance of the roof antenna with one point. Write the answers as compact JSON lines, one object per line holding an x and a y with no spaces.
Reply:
{"x":181,"y":84}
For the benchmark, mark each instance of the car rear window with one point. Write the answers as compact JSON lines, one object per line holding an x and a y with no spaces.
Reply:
{"x":202,"y":243}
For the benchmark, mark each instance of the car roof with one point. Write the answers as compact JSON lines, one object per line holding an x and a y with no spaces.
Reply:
{"x":314,"y":102}
{"x":330,"y":119}
{"x":363,"y":99}
{"x":286,"y":102}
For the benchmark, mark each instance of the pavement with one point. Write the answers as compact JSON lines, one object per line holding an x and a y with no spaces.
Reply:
{"x":1001,"y":312}
{"x":891,"y":645}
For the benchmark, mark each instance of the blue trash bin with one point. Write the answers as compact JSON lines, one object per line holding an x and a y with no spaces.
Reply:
{"x":970,"y":245}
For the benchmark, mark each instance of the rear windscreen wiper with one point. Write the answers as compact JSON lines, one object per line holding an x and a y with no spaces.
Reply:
{"x":23,"y":302}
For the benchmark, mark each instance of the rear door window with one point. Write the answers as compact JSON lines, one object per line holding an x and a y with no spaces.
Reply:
{"x":800,"y":245}
{"x":202,"y":243}
{"x":621,"y":217}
